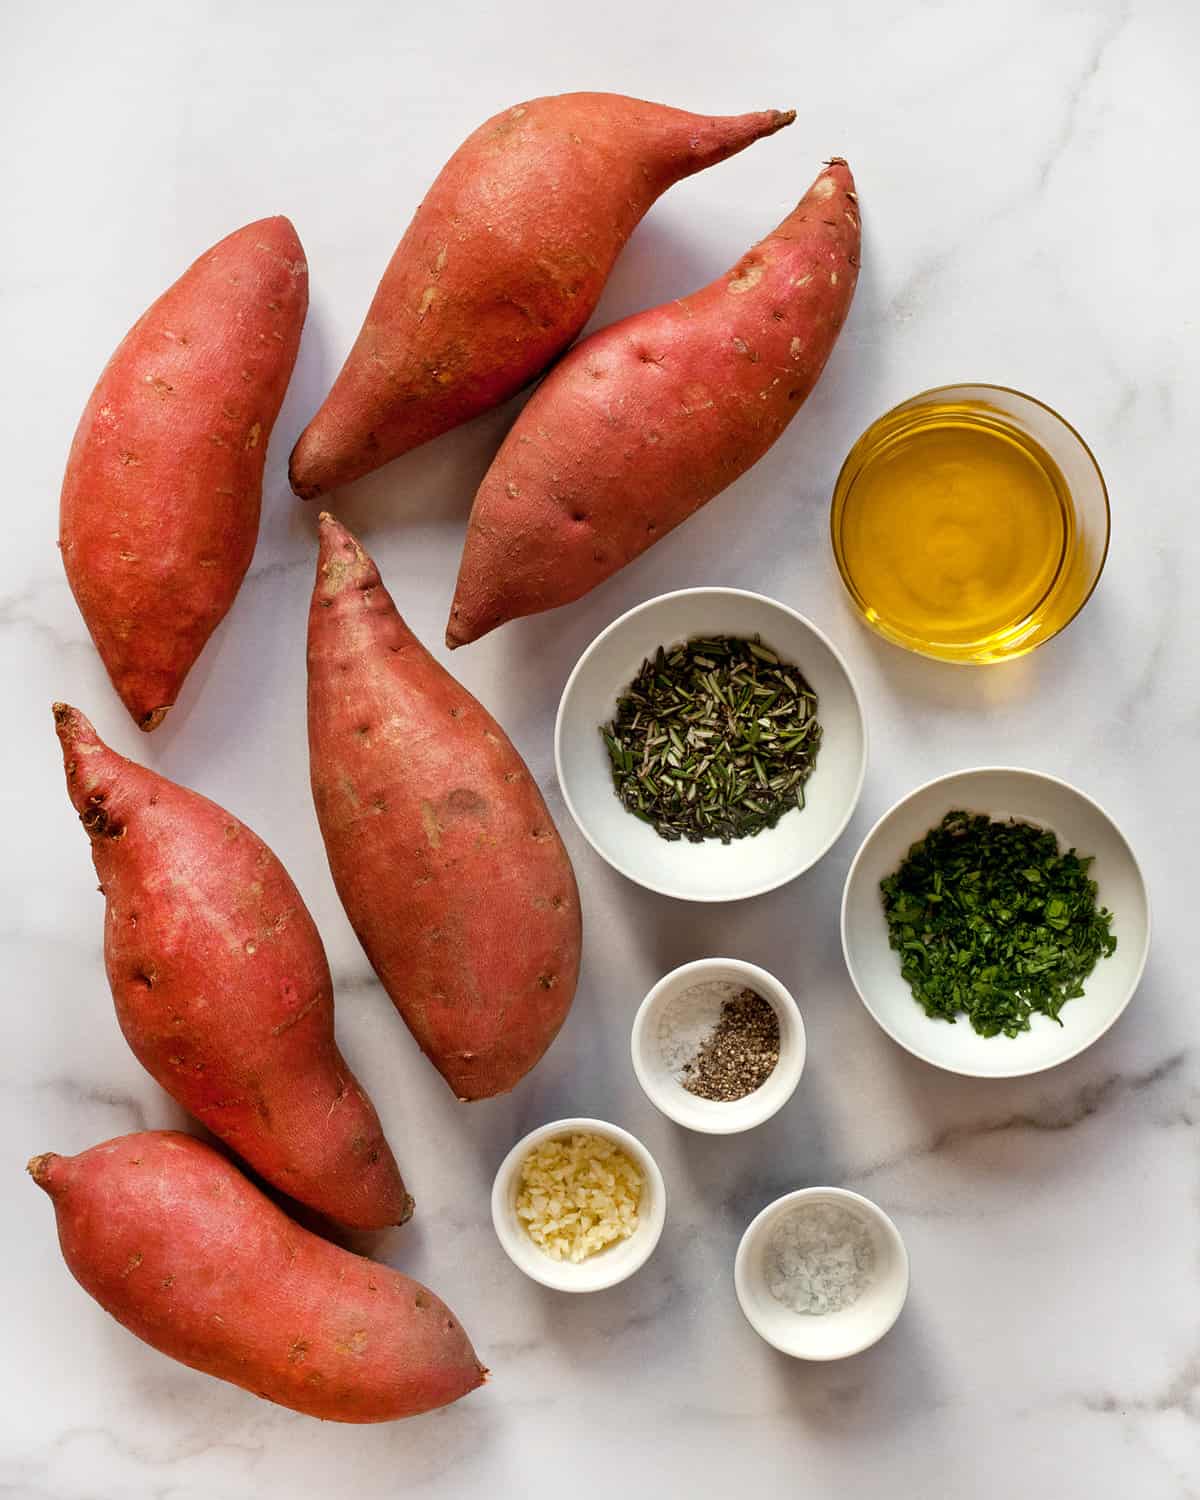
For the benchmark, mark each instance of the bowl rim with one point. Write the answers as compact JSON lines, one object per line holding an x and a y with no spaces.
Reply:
{"x":756,"y":1226}
{"x":765,"y":886}
{"x":563,"y":1276}
{"x":1017,"y":1071}
{"x":777,"y":995}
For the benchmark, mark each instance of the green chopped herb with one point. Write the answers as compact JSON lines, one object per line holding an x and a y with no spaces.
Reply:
{"x":993,"y":920}
{"x":714,"y":739}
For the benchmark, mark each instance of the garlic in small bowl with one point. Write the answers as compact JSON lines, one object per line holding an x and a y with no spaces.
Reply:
{"x":579,"y":1205}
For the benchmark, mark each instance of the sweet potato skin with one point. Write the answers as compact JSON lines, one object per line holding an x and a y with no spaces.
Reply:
{"x":443,"y":852}
{"x":648,"y":419}
{"x":221,"y":984}
{"x":181,"y":1249}
{"x":161,"y":499}
{"x":502,"y":266}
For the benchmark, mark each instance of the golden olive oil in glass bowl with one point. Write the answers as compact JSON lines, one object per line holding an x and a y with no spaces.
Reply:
{"x":970,"y":523}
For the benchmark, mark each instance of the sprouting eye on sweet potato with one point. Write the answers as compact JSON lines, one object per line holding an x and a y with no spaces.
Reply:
{"x":181,"y":1249}
{"x":221,"y":984}
{"x":502,"y":266}
{"x":445,"y":857}
{"x":646,"y":420}
{"x":161,"y":499}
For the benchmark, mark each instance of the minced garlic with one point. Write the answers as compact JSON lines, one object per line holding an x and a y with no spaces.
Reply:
{"x":578,"y":1195}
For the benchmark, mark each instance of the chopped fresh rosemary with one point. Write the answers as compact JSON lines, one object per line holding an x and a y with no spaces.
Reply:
{"x":994,"y":920}
{"x":714,"y":739}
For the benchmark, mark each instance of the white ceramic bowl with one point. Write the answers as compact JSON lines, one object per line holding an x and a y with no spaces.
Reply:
{"x":663,"y":1089}
{"x":710,"y":871}
{"x":1031,"y":797}
{"x":606,"y":1267}
{"x":827,"y":1335}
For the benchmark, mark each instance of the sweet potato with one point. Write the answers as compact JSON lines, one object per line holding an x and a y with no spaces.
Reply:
{"x":221,"y":984}
{"x":648,"y":419}
{"x":160,"y":504}
{"x":181,"y":1249}
{"x":446,"y":859}
{"x":502,"y":266}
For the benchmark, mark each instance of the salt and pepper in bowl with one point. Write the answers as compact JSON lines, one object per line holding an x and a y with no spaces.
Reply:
{"x":718,"y":1045}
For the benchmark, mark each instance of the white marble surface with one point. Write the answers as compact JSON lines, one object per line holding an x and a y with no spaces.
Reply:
{"x":1024,"y":171}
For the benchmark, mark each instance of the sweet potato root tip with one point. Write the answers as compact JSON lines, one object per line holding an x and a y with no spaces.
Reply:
{"x":150,"y":721}
{"x":304,"y":489}
{"x":342,"y":565}
{"x":74,"y":728}
{"x":38,"y":1168}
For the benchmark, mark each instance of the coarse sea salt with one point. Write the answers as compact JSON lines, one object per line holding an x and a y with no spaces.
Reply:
{"x":820,"y":1258}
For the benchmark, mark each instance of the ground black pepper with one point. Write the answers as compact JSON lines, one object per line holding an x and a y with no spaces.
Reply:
{"x":740,"y":1055}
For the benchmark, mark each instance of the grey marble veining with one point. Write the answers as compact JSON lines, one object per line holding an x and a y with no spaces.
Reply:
{"x":1024,"y":173}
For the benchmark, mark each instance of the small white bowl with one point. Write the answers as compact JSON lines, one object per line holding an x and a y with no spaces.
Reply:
{"x":822,"y":1336}
{"x":663,"y":1089}
{"x":607,"y":1267}
{"x":1001,"y":792}
{"x":710,"y":871}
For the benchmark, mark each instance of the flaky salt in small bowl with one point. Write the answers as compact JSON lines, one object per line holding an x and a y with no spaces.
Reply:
{"x":864,"y":1281}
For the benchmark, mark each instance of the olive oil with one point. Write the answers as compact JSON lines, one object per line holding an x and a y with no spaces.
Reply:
{"x":954,"y":530}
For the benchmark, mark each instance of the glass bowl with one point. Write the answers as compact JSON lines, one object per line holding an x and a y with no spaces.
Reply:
{"x":1069,"y":579}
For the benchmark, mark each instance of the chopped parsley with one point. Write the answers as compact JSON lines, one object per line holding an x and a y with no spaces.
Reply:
{"x":993,"y":920}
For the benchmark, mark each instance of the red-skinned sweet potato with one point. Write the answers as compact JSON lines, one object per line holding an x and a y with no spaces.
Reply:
{"x":160,"y":503}
{"x":448,"y":864}
{"x":646,"y":420}
{"x":502,"y":266}
{"x":181,"y":1249}
{"x":221,"y":984}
